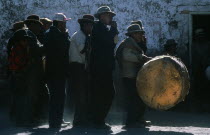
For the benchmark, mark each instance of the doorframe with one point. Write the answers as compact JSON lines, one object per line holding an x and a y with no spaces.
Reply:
{"x":191,"y":30}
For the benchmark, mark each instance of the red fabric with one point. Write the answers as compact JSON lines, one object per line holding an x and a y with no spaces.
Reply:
{"x":18,"y":58}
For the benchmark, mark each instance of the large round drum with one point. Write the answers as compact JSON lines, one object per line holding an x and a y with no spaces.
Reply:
{"x":163,"y":82}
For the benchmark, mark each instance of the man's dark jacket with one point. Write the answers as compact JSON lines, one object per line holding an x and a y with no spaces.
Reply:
{"x":57,"y":49}
{"x":102,"y":55}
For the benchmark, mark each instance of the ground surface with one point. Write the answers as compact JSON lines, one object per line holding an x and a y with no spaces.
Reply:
{"x":163,"y":123}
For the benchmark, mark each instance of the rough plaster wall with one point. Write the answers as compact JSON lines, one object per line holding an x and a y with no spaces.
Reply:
{"x":161,"y":18}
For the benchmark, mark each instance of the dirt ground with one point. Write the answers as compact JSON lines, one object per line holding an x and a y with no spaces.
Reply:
{"x":163,"y":123}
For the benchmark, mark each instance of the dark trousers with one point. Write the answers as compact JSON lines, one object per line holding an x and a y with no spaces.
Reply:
{"x":22,"y":104}
{"x":12,"y":89}
{"x":79,"y":83}
{"x":102,"y":96}
{"x":27,"y":90}
{"x":57,"y":100}
{"x":38,"y":92}
{"x":135,"y":106}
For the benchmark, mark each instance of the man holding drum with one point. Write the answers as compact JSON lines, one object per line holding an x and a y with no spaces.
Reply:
{"x":130,"y":57}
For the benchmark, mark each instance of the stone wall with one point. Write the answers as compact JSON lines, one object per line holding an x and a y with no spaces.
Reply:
{"x":162,"y":19}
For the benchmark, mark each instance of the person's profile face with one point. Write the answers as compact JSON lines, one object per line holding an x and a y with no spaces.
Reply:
{"x":35,"y":28}
{"x":62,"y":26}
{"x":138,"y":36}
{"x":88,"y":28}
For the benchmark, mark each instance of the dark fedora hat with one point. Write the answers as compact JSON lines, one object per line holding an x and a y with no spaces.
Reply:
{"x":139,"y":22}
{"x":133,"y":29}
{"x":33,"y":19}
{"x":102,"y":10}
{"x":18,"y":25}
{"x":46,"y":21}
{"x":21,"y":34}
{"x":86,"y":19}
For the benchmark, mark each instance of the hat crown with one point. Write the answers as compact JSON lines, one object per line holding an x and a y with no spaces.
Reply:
{"x":134,"y":27}
{"x":139,"y":22}
{"x":45,"y":20}
{"x":60,"y":17}
{"x":33,"y":17}
{"x":103,"y":9}
{"x":18,"y":25}
{"x":90,"y":17}
{"x":87,"y":18}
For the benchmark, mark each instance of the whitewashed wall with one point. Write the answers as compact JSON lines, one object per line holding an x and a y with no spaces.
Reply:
{"x":162,"y":18}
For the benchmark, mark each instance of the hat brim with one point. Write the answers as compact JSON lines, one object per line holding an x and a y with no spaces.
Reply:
{"x":67,"y":19}
{"x":98,"y":14}
{"x":85,"y":21}
{"x":13,"y":29}
{"x":34,"y":21}
{"x":129,"y":33}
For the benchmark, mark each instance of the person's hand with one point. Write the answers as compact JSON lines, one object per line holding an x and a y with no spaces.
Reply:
{"x":114,"y":24}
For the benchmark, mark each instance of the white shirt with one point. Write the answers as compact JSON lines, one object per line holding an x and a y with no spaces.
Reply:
{"x":77,"y":45}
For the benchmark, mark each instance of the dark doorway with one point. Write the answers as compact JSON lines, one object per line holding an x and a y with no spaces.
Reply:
{"x":201,"y":21}
{"x":200,"y":52}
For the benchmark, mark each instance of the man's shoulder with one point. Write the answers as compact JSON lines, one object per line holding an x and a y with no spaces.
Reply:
{"x":131,"y":44}
{"x":128,"y":41}
{"x":97,"y":26}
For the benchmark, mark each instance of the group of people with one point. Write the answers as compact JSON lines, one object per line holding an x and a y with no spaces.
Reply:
{"x":42,"y":55}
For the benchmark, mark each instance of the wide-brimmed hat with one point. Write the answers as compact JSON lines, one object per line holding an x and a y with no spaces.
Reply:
{"x":18,"y":25}
{"x":86,"y":19}
{"x":139,"y":22}
{"x":46,"y":21}
{"x":133,"y":28}
{"x":60,"y":17}
{"x":33,"y":19}
{"x":104,"y":9}
{"x":21,"y":34}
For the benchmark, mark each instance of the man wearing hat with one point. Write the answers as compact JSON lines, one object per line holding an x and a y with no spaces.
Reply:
{"x":143,"y":43}
{"x":16,"y":26}
{"x":20,"y":61}
{"x":57,"y":62}
{"x":36,"y":74}
{"x":35,"y":25}
{"x":130,"y":58}
{"x":79,"y":60}
{"x":170,"y":47}
{"x":102,"y":65}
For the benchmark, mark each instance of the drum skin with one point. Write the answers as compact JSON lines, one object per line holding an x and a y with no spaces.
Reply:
{"x":163,"y":82}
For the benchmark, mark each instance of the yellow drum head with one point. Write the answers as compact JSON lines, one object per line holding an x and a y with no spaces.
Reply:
{"x":163,"y":82}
